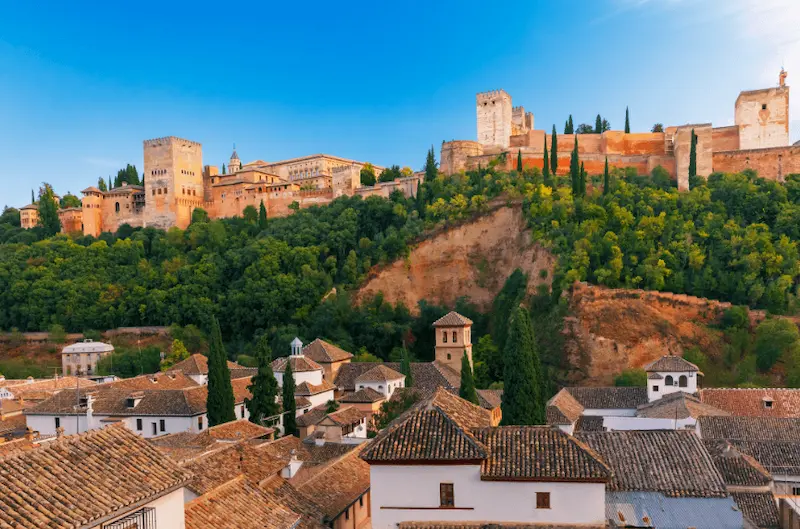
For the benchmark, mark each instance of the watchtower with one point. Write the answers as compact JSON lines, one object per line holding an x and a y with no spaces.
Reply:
{"x":453,"y":338}
{"x":173,"y":184}
{"x":763,"y":116}
{"x":494,"y":112}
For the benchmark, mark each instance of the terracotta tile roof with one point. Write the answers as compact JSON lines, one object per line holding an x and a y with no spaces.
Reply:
{"x":48,"y":386}
{"x":492,"y":525}
{"x":311,"y":517}
{"x":16,"y":446}
{"x":299,"y":364}
{"x":428,"y":376}
{"x":678,"y":405}
{"x":609,"y":397}
{"x":380,"y":373}
{"x":654,"y":376}
{"x":490,"y":398}
{"x":537,"y":453}
{"x":347,"y":416}
{"x":363,"y":395}
{"x":243,"y":372}
{"x":169,"y":380}
{"x":77,"y":480}
{"x":750,"y":428}
{"x":13,"y":426}
{"x":312,"y":416}
{"x":197,"y":364}
{"x":452,"y":319}
{"x":556,"y":417}
{"x":218,"y":467}
{"x":563,"y":408}
{"x":751,"y":402}
{"x":338,"y":485}
{"x":671,"y":363}
{"x":435,"y":429}
{"x":238,"y":504}
{"x":673,"y":463}
{"x":304,"y":389}
{"x":589,"y":423}
{"x":321,"y":352}
{"x":235,"y":430}
{"x":737,"y":468}
{"x":759,"y":508}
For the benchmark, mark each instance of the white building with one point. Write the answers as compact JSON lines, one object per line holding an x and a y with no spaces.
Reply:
{"x":303,"y":369}
{"x":381,"y":379}
{"x":81,"y":358}
{"x":446,"y":462}
{"x":670,"y":374}
{"x":196,"y":368}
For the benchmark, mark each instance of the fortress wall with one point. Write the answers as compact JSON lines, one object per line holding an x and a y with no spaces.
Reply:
{"x":725,"y":138}
{"x":646,"y":143}
{"x":279,"y":206}
{"x":773,"y":164}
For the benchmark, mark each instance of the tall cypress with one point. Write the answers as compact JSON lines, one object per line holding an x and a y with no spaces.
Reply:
{"x":582,"y":182}
{"x":33,"y":197}
{"x":405,"y":368}
{"x":574,"y":168}
{"x":693,"y":156}
{"x":220,"y":401}
{"x":431,"y":169}
{"x":627,"y":121}
{"x":110,"y":185}
{"x":48,"y":210}
{"x":467,"y":390}
{"x":554,"y":153}
{"x":546,"y":165}
{"x":524,"y":391}
{"x":598,"y":125}
{"x":223,"y":168}
{"x":263,"y":386}
{"x":519,"y":161}
{"x":606,"y":179}
{"x":289,"y":405}
{"x":262,"y":216}
{"x":569,"y":127}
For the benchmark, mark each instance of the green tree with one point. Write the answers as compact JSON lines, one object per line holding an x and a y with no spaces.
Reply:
{"x":569,"y":128}
{"x":405,"y":368}
{"x":774,"y":338}
{"x":627,"y":121}
{"x":110,"y":185}
{"x":223,"y":169}
{"x":250,"y":214}
{"x":631,"y":377}
{"x":585,"y":128}
{"x":575,"y":169}
{"x":658,"y":127}
{"x":606,"y":179}
{"x":263,"y":386}
{"x":220,"y":401}
{"x":101,"y":184}
{"x":331,"y":406}
{"x":33,"y":198}
{"x":546,"y":166}
{"x":57,"y":334}
{"x":467,"y":389}
{"x":262,"y":216}
{"x":48,"y":210}
{"x":554,"y":153}
{"x":523,"y":400}
{"x":519,"y":161}
{"x":199,"y":215}
{"x":177,"y":352}
{"x":289,"y":404}
{"x":693,"y":156}
{"x":368,"y":175}
{"x":390,"y":174}
{"x":598,"y":125}
{"x":582,"y":182}
{"x":431,"y":166}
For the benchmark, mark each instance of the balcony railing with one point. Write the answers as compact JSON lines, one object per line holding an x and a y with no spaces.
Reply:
{"x":144,"y":518}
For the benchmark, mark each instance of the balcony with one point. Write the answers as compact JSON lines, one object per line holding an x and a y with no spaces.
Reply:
{"x":144,"y":518}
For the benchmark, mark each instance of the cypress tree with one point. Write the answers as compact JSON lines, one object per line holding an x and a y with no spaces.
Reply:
{"x":405,"y":368}
{"x":606,"y":179}
{"x":582,"y":182}
{"x":33,"y":197}
{"x":627,"y":121}
{"x":467,"y":389}
{"x":523,"y":379}
{"x":220,"y":401}
{"x":101,"y":184}
{"x":546,"y":165}
{"x":263,"y":386}
{"x":431,"y":169}
{"x":262,"y":216}
{"x":693,"y":156}
{"x":289,"y":405}
{"x":223,"y":168}
{"x":598,"y":125}
{"x":110,"y":186}
{"x":48,"y":210}
{"x":574,"y":168}
{"x":554,"y":153}
{"x":519,"y":161}
{"x":569,"y":128}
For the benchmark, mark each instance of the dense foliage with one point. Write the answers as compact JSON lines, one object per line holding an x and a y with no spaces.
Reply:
{"x":525,"y":391}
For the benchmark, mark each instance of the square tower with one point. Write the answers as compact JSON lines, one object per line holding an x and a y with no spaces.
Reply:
{"x":173,"y":181}
{"x":453,"y":337}
{"x":494,"y":118}
{"x":763,"y":118}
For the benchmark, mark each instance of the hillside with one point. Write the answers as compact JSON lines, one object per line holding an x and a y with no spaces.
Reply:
{"x":473,"y":260}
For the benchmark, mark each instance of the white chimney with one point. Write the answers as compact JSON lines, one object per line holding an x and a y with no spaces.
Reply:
{"x":290,"y":470}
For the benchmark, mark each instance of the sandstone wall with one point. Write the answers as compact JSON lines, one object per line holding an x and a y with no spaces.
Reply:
{"x":682,"y":142}
{"x":773,"y":164}
{"x":494,"y":118}
{"x":455,"y":155}
{"x":763,"y":118}
{"x":725,"y":138}
{"x":473,"y":259}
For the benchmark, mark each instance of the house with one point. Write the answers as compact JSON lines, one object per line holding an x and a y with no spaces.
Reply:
{"x":754,"y":402}
{"x":330,"y":357}
{"x":367,"y":400}
{"x":303,"y":369}
{"x":196,"y":368}
{"x":346,"y":425}
{"x":428,"y":376}
{"x":669,"y":374}
{"x":382,"y":379}
{"x":662,"y":478}
{"x":316,"y":394}
{"x":443,"y":461}
{"x":453,"y":333}
{"x":772,"y":441}
{"x":109,"y":478}
{"x":168,"y":380}
{"x":150,"y":413}
{"x":81,"y":358}
{"x":32,"y":389}
{"x":183,"y":446}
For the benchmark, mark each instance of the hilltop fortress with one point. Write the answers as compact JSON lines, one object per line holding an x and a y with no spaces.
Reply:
{"x":176,"y":183}
{"x":759,"y":140}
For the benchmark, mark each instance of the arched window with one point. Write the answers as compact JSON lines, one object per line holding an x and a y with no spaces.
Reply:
{"x":116,"y":207}
{"x":454,"y":337}
{"x":668,"y":380}
{"x":444,"y":336}
{"x":683,"y":381}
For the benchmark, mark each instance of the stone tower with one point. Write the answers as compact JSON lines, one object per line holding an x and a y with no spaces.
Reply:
{"x":234,"y":164}
{"x":173,"y":185}
{"x":763,"y":116}
{"x":494,"y":118}
{"x":92,"y":210}
{"x":453,"y":338}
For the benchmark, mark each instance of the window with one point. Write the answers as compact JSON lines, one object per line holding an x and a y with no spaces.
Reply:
{"x":668,"y":381}
{"x":655,"y":388}
{"x":361,"y":501}
{"x":347,"y":513}
{"x":116,"y":207}
{"x":454,"y":337}
{"x":795,"y":491}
{"x":200,"y":423}
{"x":446,"y":496}
{"x":155,"y":429}
{"x":764,"y":106}
{"x":162,"y":425}
{"x":138,"y":425}
{"x":448,"y":356}
{"x":242,"y":412}
{"x":683,"y":381}
{"x":542,"y":500}
{"x":768,"y":404}
{"x":444,"y":336}
{"x":58,"y":422}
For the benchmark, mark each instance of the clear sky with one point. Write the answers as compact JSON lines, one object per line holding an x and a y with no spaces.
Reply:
{"x":83,"y":83}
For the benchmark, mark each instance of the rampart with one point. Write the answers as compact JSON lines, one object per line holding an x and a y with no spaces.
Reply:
{"x":775,"y":162}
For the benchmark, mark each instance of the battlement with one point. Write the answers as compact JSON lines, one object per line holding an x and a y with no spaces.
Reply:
{"x":493,"y":94}
{"x":169,"y":139}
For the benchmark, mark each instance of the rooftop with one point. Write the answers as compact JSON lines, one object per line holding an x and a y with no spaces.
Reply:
{"x":761,"y":402}
{"x":678,"y":405}
{"x":671,"y":364}
{"x":299,"y":364}
{"x":759,"y":508}
{"x":102,"y":481}
{"x":380,"y":373}
{"x":304,"y":389}
{"x":338,"y":485}
{"x":88,"y":346}
{"x":323,"y":352}
{"x":366,"y":395}
{"x":197,"y":364}
{"x":428,"y":376}
{"x":347,"y":416}
{"x":737,"y":468}
{"x":452,"y":319}
{"x":609,"y":397}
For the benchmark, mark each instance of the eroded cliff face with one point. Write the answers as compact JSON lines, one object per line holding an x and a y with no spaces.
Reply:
{"x":473,"y":260}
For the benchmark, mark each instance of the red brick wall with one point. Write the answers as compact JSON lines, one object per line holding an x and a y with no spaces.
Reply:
{"x":725,"y":139}
{"x":773,"y":164}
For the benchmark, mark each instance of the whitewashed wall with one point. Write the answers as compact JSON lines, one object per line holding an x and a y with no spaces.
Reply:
{"x":646,"y":423}
{"x":611,"y":412}
{"x":312,"y":377}
{"x":386,"y":388}
{"x":663,"y":389}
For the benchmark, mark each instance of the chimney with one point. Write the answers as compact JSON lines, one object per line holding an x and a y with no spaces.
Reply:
{"x":59,"y":432}
{"x":290,"y":470}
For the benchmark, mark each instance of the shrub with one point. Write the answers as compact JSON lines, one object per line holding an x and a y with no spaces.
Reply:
{"x":57,"y":334}
{"x":631,"y":378}
{"x":775,"y":337}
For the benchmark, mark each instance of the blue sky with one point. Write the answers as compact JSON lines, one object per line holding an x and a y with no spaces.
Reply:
{"x":83,"y":83}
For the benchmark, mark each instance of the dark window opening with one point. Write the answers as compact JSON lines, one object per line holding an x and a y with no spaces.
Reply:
{"x":764,"y":106}
{"x":668,"y":381}
{"x":138,"y":425}
{"x":444,"y":336}
{"x":162,"y":425}
{"x":542,"y":500}
{"x":58,"y":422}
{"x":683,"y":381}
{"x":655,"y":388}
{"x":446,"y":495}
